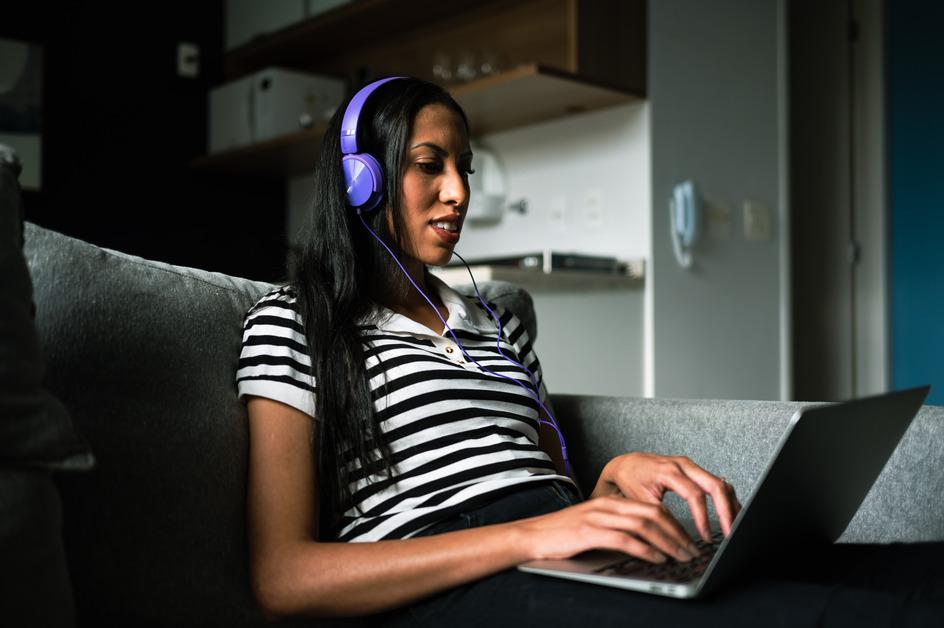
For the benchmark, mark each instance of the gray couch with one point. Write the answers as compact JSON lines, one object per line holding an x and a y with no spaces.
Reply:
{"x":144,"y":354}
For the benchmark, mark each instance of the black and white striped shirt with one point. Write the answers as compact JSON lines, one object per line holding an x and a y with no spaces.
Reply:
{"x":460,"y":437}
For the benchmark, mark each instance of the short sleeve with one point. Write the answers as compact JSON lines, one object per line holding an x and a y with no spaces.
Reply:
{"x":274,"y":361}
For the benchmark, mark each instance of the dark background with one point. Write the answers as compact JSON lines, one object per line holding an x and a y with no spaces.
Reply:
{"x":120,"y":129}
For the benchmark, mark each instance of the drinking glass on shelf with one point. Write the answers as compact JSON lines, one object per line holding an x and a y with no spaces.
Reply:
{"x":442,"y":67}
{"x":489,"y":63}
{"x":466,"y":67}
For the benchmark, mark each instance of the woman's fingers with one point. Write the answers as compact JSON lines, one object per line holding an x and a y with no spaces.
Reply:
{"x":694,"y":495}
{"x":721,"y":491}
{"x":667,"y":474}
{"x":627,"y":543}
{"x":684,"y":477}
{"x":642,"y":524}
{"x":642,"y":529}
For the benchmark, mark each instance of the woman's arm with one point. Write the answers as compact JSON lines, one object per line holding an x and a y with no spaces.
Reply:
{"x":293,"y":573}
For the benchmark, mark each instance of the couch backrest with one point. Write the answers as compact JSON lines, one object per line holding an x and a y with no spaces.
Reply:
{"x":144,"y":354}
{"x":736,"y":439}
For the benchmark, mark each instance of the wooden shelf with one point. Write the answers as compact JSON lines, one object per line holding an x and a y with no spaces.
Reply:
{"x":524,"y":95}
{"x":536,"y":280}
{"x":532,"y":93}
{"x":602,"y":40}
{"x":278,"y":158}
{"x":307,"y":44}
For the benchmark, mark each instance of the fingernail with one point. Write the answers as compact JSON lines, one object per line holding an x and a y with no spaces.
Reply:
{"x":684,"y":554}
{"x":694,"y":549}
{"x":659,"y":557}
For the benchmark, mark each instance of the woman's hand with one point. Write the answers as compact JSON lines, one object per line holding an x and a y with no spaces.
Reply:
{"x":644,"y":530}
{"x":647,"y":477}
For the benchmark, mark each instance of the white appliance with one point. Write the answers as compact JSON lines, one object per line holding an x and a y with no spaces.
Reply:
{"x":488,"y":187}
{"x":268,"y":104}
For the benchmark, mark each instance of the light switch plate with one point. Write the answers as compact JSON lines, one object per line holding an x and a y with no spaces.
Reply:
{"x":557,"y":210}
{"x":188,"y":60}
{"x":757,"y":222}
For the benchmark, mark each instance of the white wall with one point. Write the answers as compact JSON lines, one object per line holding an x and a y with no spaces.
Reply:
{"x":567,"y":163}
{"x":592,"y":343}
{"x":588,"y":342}
{"x":717,"y":98}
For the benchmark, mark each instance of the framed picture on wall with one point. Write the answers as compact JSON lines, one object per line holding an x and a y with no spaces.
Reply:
{"x":21,"y":106}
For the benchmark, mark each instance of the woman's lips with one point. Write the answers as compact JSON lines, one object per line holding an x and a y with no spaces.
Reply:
{"x":449,"y":237}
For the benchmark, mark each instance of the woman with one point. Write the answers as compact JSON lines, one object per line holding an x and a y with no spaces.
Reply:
{"x":400,"y":465}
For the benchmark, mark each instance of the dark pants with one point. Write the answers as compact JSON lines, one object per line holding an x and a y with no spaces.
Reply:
{"x":845,"y":585}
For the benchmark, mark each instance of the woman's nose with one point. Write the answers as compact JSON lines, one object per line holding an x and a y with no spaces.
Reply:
{"x":455,"y":189}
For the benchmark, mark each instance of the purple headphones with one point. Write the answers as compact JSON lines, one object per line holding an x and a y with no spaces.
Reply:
{"x":363,"y":174}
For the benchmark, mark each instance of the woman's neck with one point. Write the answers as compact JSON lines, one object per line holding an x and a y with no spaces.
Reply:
{"x":410,"y":303}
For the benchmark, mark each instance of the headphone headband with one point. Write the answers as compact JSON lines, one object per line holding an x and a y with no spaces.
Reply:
{"x":363,"y":173}
{"x":353,"y":112}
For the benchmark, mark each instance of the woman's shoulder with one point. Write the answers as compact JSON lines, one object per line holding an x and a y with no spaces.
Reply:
{"x":282,"y":297}
{"x":277,"y":308}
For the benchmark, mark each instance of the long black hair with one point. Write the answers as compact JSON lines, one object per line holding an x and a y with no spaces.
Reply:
{"x":340,"y":278}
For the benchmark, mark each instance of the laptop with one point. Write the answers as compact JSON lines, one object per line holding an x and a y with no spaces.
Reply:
{"x":823,"y":467}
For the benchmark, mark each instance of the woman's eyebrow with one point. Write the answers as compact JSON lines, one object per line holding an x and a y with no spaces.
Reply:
{"x":436,"y":148}
{"x":439,"y":150}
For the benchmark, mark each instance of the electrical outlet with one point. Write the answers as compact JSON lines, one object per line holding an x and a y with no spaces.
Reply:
{"x":188,"y":60}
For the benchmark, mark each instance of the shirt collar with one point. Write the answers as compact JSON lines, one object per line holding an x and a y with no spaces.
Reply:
{"x":463,"y":314}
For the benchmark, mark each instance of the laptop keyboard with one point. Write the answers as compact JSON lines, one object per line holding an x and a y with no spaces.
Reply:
{"x":671,"y":570}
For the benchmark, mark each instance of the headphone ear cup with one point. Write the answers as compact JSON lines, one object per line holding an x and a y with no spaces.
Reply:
{"x":363,"y":180}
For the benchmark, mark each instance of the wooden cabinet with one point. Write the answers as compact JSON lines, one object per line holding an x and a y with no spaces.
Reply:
{"x":555,"y":57}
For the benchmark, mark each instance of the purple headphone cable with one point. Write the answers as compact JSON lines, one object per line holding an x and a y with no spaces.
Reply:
{"x":531,"y":391}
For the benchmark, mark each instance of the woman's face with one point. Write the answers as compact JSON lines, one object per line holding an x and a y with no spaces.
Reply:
{"x":435,"y":184}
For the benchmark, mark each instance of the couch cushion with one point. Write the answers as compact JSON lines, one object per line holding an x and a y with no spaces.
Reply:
{"x":35,"y":429}
{"x":144,"y":354}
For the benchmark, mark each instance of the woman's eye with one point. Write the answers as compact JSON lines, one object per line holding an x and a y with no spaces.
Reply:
{"x":435,"y":167}
{"x":429,"y":167}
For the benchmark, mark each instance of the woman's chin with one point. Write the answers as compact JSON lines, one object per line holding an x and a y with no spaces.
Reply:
{"x":441,"y":257}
